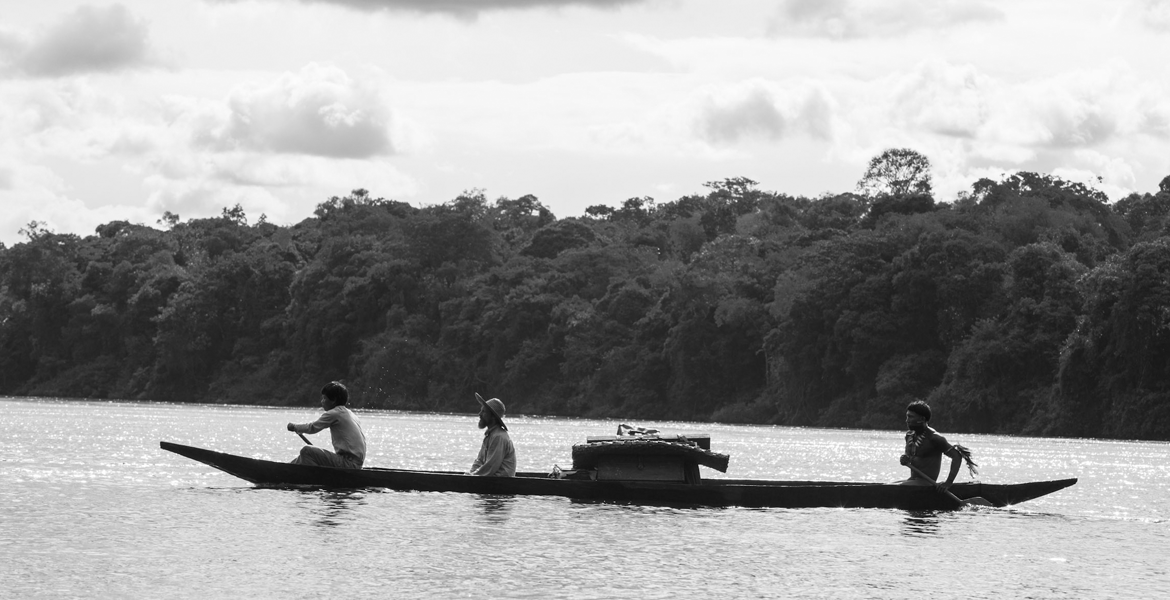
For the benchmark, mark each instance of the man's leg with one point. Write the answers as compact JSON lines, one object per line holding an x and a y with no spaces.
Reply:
{"x":312,"y":455}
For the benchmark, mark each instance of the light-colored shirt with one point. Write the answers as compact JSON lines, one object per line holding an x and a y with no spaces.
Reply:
{"x":497,"y":456}
{"x":343,"y":425}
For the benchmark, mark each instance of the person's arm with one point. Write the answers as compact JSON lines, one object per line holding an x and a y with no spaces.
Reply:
{"x":909,"y":461}
{"x":324,"y":422}
{"x":493,"y":457}
{"x":478,"y":462}
{"x":956,"y":462}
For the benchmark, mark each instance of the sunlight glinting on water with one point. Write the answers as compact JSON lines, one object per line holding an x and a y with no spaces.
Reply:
{"x":96,"y":509}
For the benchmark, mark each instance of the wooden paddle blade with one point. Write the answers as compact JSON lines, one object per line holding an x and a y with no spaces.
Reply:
{"x":977,"y":501}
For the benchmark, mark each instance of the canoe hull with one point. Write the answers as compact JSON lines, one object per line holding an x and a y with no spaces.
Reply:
{"x":711,"y":492}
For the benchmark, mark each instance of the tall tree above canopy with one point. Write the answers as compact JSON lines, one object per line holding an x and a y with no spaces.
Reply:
{"x":896,"y":172}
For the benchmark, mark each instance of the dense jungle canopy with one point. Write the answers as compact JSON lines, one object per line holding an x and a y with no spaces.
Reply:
{"x":1030,"y":305}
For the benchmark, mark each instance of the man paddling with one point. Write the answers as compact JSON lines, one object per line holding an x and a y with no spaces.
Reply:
{"x":349,"y":440}
{"x":925,"y":448}
{"x":497,"y":456}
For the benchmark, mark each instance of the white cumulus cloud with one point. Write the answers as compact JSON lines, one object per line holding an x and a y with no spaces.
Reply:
{"x":753,"y":115}
{"x":944,"y":99}
{"x":1155,"y":14}
{"x":761,"y":110}
{"x":318,"y":111}
{"x":88,"y":40}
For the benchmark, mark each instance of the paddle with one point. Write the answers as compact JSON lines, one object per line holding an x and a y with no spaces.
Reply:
{"x":976,"y":501}
{"x":305,"y":438}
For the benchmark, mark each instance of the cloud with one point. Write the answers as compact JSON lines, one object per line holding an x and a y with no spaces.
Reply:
{"x":1075,"y":109}
{"x":462,"y":8}
{"x":944,"y":99}
{"x":285,"y":188}
{"x":74,"y":119}
{"x":1155,"y":15}
{"x":277,"y":146}
{"x":317,"y":111}
{"x":1078,"y":109}
{"x":1073,"y":121}
{"x":849,"y":19}
{"x":1106,"y":121}
{"x":11,"y":43}
{"x":1154,"y":116}
{"x":88,"y":40}
{"x":754,"y":115}
{"x":1110,"y":174}
{"x":754,"y":111}
{"x":36,"y":193}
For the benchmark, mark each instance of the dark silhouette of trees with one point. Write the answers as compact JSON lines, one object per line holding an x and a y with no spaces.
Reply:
{"x":1029,"y":305}
{"x":896,"y":172}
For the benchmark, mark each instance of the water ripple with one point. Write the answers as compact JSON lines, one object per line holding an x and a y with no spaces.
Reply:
{"x":95,"y":509}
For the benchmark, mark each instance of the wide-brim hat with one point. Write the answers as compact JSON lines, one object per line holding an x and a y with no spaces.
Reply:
{"x":495,"y":405}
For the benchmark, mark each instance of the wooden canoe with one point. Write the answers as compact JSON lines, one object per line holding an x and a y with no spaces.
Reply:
{"x":707,"y":492}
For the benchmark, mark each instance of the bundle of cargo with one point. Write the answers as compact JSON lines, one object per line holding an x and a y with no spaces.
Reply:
{"x":647,"y":455}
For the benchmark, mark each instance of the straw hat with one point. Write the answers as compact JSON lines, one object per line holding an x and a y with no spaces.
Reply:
{"x":495,"y":405}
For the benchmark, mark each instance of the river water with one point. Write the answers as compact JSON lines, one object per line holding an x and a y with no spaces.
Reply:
{"x":92,"y":508}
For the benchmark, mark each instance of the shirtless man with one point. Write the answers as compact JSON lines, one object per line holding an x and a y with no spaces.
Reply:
{"x":925,"y":448}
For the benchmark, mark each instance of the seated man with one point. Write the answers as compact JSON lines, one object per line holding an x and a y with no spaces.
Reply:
{"x":348,"y":438}
{"x":925,"y":448}
{"x":497,"y":456}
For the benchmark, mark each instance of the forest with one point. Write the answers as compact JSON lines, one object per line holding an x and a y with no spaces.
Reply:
{"x":1029,"y":305}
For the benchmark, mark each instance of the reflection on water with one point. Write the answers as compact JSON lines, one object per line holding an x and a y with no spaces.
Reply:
{"x":919,"y":523}
{"x":333,"y":507}
{"x":97,"y":510}
{"x":495,"y":509}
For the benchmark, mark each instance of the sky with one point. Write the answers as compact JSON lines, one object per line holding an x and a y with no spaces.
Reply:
{"x":128,"y":110}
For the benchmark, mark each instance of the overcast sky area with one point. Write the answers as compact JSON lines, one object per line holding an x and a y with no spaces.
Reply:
{"x":124,"y":111}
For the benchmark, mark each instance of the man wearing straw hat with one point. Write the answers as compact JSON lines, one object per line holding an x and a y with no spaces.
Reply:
{"x":497,"y":456}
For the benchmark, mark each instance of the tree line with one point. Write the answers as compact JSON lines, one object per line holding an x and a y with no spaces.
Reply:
{"x":1029,"y":305}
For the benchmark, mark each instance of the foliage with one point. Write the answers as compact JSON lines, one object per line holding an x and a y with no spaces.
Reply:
{"x":896,"y":172}
{"x":1030,"y":305}
{"x":1114,"y":377}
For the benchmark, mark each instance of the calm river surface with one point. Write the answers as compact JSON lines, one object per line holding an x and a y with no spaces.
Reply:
{"x":92,"y":508}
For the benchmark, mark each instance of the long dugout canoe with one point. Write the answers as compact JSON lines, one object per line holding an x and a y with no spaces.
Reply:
{"x":710,"y":492}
